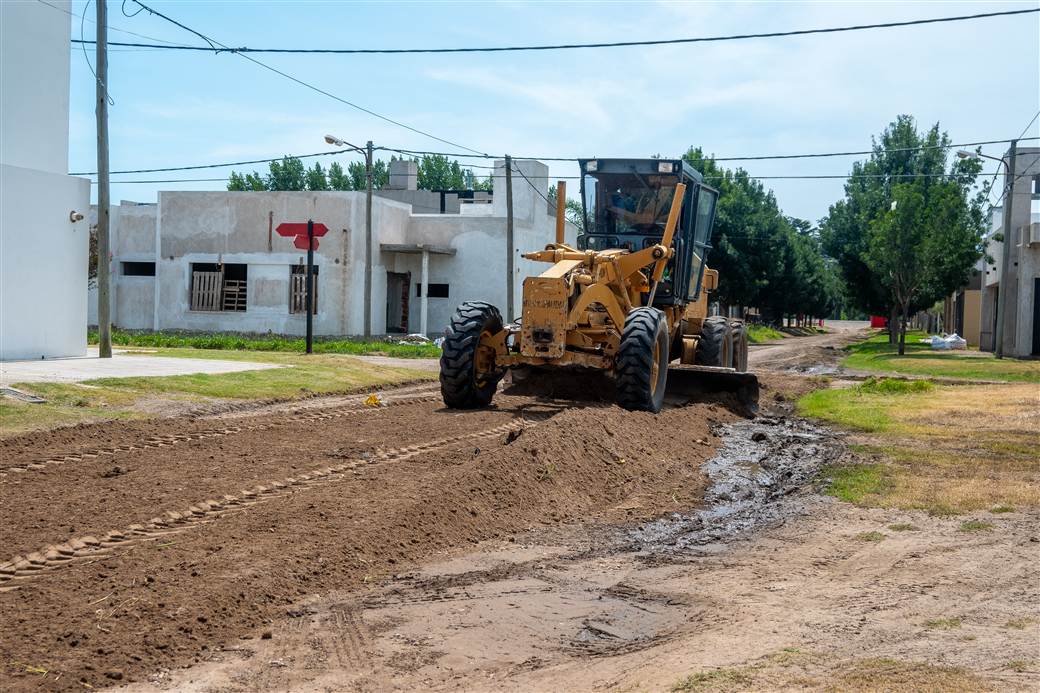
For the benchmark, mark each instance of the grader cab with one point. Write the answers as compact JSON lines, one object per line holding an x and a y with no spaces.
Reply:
{"x":630,"y":299}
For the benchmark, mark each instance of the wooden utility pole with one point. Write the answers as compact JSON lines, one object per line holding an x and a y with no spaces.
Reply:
{"x":103,"y":281}
{"x":310,"y":286}
{"x":509,"y":239}
{"x":1004,"y":293}
{"x":368,"y":241}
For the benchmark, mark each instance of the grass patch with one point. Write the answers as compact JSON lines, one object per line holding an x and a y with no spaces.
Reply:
{"x":998,"y":509}
{"x":1020,"y":623}
{"x":715,"y":678}
{"x":126,"y":398}
{"x":895,"y":676}
{"x":876,"y":355}
{"x":1018,"y":665}
{"x":265,"y":342}
{"x":903,"y":527}
{"x":757,"y":334}
{"x":870,"y":536}
{"x":976,"y":526}
{"x":856,"y":482}
{"x":945,"y":449}
{"x":943,"y":623}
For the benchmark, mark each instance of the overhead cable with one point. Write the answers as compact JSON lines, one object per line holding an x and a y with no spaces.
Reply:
{"x":214,"y":43}
{"x":574,"y":46}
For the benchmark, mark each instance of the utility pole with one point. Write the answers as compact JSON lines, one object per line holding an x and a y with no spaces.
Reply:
{"x":509,"y":239}
{"x":368,"y":241}
{"x":104,"y":283}
{"x":1004,"y":292}
{"x":310,"y":286}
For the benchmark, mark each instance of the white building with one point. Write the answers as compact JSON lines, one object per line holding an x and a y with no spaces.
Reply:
{"x":43,"y":250}
{"x":213,"y":261}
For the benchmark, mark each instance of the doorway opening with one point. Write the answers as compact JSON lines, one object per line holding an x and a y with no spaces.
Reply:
{"x":397,"y":284}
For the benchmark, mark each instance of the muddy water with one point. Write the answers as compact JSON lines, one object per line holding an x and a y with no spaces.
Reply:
{"x":759,"y":477}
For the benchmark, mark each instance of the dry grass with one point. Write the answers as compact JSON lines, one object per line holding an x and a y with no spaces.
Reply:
{"x":894,"y":676}
{"x":794,"y":669}
{"x":953,"y":449}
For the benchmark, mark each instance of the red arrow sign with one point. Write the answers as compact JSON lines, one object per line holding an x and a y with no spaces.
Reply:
{"x":301,"y":242}
{"x":292,"y":228}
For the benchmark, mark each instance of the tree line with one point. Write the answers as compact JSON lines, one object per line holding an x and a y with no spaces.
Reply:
{"x":765,"y":259}
{"x":435,"y":172}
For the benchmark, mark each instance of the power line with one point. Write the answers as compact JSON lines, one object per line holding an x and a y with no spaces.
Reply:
{"x":498,"y":176}
{"x":460,"y":155}
{"x":213,"y":43}
{"x":573,"y":46}
{"x":110,"y":28}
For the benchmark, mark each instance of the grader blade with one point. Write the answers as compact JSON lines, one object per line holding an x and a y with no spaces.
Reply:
{"x":685,"y":382}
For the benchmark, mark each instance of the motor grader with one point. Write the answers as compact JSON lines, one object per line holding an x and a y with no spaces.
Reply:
{"x":630,"y":299}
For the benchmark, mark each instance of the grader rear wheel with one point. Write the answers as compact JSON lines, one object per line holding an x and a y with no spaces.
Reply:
{"x":715,"y":347}
{"x":642,"y":362}
{"x":738,"y":331}
{"x":468,"y":376}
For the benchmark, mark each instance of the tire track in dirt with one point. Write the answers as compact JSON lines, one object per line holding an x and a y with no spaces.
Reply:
{"x":156,"y":442}
{"x":55,"y":556}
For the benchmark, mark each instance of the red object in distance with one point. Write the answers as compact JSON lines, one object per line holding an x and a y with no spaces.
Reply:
{"x":293,"y":228}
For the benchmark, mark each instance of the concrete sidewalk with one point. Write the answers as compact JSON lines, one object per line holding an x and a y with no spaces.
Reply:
{"x":121,"y":365}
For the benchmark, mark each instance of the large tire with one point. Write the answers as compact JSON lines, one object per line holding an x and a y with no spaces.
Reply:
{"x":715,"y":347}
{"x":462,"y":387}
{"x":738,"y":332}
{"x":642,"y":361}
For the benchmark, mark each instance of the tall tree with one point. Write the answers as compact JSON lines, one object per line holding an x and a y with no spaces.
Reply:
{"x":338,"y":180}
{"x":910,"y":227}
{"x":316,"y":178}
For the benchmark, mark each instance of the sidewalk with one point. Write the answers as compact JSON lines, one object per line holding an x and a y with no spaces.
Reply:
{"x":121,"y":365}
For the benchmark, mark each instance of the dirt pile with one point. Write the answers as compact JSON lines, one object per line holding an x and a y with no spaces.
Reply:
{"x":346,"y":503}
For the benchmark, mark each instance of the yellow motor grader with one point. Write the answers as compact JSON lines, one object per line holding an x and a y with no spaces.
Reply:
{"x":630,"y":299}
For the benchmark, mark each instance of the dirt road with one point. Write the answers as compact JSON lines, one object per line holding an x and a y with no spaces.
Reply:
{"x":535,"y":545}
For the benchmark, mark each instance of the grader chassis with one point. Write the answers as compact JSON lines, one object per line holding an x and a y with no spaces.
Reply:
{"x":631,"y":298}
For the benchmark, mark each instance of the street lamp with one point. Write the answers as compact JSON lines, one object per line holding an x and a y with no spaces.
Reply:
{"x":1004,"y":291}
{"x":367,"y":151}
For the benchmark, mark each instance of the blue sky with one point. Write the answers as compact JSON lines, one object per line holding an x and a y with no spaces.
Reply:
{"x":980,"y":79}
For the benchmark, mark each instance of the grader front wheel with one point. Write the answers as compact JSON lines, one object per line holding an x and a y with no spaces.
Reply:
{"x":468,"y":377}
{"x":642,"y":361}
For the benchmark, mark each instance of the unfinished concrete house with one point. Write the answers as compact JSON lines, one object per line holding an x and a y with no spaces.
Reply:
{"x":1022,"y":319}
{"x":213,"y":261}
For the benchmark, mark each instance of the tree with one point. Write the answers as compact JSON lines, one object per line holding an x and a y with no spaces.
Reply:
{"x":909,"y":229}
{"x":437,"y":172}
{"x":250,"y":181}
{"x":316,"y":178}
{"x":338,"y":180}
{"x":287,"y":174}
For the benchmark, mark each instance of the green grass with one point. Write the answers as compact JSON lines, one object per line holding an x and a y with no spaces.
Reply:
{"x":903,"y":527}
{"x":758,"y":334}
{"x":244,"y":342}
{"x":998,"y":509}
{"x":877,"y":355}
{"x":855,"y":482}
{"x":123,"y":398}
{"x":871,"y":536}
{"x":863,"y":406}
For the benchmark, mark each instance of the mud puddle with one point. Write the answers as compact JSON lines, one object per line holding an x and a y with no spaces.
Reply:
{"x":759,"y":477}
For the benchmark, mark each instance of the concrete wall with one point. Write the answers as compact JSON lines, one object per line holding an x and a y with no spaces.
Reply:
{"x":43,"y":253}
{"x":43,"y":264}
{"x":34,"y":88}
